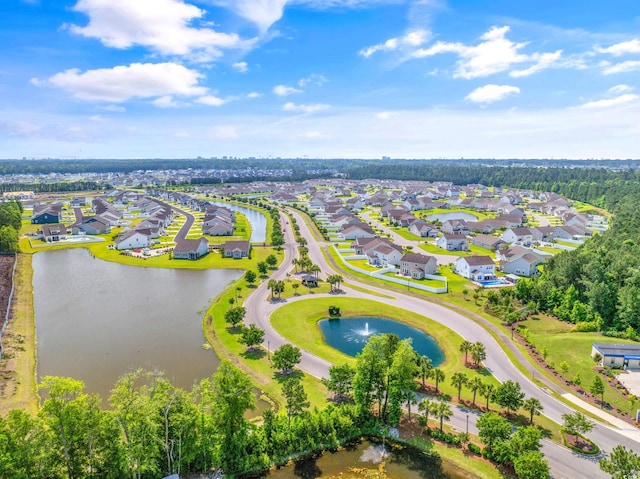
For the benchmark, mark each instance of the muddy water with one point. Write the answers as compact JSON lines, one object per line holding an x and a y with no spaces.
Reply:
{"x":96,"y":320}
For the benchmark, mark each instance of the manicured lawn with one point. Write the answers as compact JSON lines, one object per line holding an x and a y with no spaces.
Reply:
{"x":298,"y":323}
{"x":225,"y":343}
{"x":575,"y":349}
{"x":406,"y":234}
{"x":362,"y":264}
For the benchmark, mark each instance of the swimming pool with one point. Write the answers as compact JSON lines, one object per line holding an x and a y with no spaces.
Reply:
{"x":493,"y":282}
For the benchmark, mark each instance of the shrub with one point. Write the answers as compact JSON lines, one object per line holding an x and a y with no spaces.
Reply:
{"x":334,"y":311}
{"x":474,"y":449}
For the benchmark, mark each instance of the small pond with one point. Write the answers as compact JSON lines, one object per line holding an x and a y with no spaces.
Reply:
{"x":349,"y":335}
{"x":256,"y":219}
{"x":458,"y":215}
{"x":363,"y":460}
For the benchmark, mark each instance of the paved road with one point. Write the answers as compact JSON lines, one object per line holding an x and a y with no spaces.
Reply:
{"x":564,"y":463}
{"x":184,"y":230}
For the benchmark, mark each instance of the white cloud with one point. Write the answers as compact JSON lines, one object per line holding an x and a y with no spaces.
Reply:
{"x":97,"y":118}
{"x":544,"y":61}
{"x":491,"y":93}
{"x":254,"y":94}
{"x":385,"y":115}
{"x":138,"y":80}
{"x":622,"y":67}
{"x":225,"y":132}
{"x":617,"y":101}
{"x":167,"y":101}
{"x":620,"y":89}
{"x":411,"y":39}
{"x":619,"y":49}
{"x":163,"y":26}
{"x":211,"y":100}
{"x":316,"y":135}
{"x":313,"y":79}
{"x":241,"y":67}
{"x":113,"y":108}
{"x":311,"y":108}
{"x":494,"y":54}
{"x":284,"y":90}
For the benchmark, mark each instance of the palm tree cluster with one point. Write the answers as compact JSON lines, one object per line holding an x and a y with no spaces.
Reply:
{"x":477,"y":350}
{"x":276,"y":287}
{"x":335,"y":279}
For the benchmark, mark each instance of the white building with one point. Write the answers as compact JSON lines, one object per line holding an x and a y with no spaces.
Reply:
{"x":476,"y":268}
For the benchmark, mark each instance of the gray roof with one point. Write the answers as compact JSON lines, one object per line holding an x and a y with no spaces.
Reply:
{"x":607,"y":349}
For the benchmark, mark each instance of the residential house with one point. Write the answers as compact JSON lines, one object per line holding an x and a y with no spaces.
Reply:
{"x":423,"y":229}
{"x":380,"y":251}
{"x":418,"y":265}
{"x":476,"y":268}
{"x":46,"y":214}
{"x":542,"y":233}
{"x":520,"y":235}
{"x":53,"y":232}
{"x":486,"y":241}
{"x":191,"y":248}
{"x":236,"y":249}
{"x":354,"y":204}
{"x":453,"y":242}
{"x":355,"y":231}
{"x":455,"y":227}
{"x":133,"y":239}
{"x":525,"y":264}
{"x":92,"y":225}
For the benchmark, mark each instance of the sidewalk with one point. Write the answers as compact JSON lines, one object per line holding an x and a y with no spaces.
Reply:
{"x":621,"y":426}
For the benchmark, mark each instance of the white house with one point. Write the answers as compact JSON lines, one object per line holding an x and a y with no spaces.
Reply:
{"x":423,"y":229}
{"x":524,"y":264}
{"x":453,"y":242}
{"x":384,"y":255}
{"x":351,"y":232}
{"x":134,"y":239}
{"x":476,"y":268}
{"x":521,"y":236}
{"x":191,"y":248}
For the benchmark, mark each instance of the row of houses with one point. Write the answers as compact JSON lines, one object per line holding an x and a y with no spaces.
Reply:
{"x":158,"y":216}
{"x":384,"y":253}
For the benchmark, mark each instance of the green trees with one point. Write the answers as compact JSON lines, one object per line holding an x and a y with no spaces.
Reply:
{"x":8,"y":239}
{"x":475,"y":385}
{"x":386,"y":370}
{"x":576,"y":424}
{"x":250,"y":277}
{"x":442,"y":411}
{"x":459,"y":380}
{"x":465,"y":348}
{"x":509,"y":395}
{"x":478,"y":353}
{"x":271,"y":260}
{"x":296,"y":398}
{"x":276,"y":287}
{"x":597,"y":389}
{"x":251,"y":336}
{"x":531,"y":465}
{"x":340,"y":381}
{"x":487,"y":392}
{"x":492,"y":428}
{"x":285,"y":358}
{"x":438,"y":376}
{"x":263,"y":268}
{"x":622,"y":463}
{"x":533,"y":406}
{"x":426,"y":368}
{"x":235,"y":316}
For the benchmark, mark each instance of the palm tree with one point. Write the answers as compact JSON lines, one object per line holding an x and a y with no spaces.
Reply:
{"x":486,"y":392}
{"x":339,"y":279}
{"x":314,"y":268}
{"x":295,"y":262}
{"x":272,"y":285}
{"x":331,"y":279}
{"x":459,"y":380}
{"x":438,"y":375}
{"x":442,"y":411}
{"x":478,"y":352}
{"x":295,"y":287}
{"x":475,"y":385}
{"x":302,"y":241}
{"x":533,"y":406}
{"x":465,"y":348}
{"x":426,"y":367}
{"x":426,"y":406}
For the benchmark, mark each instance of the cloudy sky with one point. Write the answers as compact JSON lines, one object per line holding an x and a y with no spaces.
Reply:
{"x":320,"y":78}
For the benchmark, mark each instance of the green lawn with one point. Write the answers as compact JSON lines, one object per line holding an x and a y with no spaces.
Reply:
{"x":575,"y":349}
{"x":298,"y":323}
{"x":406,"y":234}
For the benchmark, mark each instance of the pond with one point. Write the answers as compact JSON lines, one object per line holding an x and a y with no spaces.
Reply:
{"x":363,"y":460}
{"x":349,"y":335}
{"x":256,"y":219}
{"x":458,"y":215}
{"x":96,"y":320}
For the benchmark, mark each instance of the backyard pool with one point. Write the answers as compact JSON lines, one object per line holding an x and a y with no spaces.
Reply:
{"x":493,"y":282}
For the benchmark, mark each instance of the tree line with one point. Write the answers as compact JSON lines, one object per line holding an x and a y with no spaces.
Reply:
{"x":10,"y":223}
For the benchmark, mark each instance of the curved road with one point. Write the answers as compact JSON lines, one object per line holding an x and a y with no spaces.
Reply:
{"x":564,"y":463}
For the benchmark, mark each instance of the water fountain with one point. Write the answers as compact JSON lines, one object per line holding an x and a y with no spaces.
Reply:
{"x":360,"y":335}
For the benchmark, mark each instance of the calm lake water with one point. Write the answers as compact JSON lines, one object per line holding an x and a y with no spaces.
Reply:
{"x":350,"y":335}
{"x":459,"y":215}
{"x":403,"y":464}
{"x":257,"y":221}
{"x":96,"y":320}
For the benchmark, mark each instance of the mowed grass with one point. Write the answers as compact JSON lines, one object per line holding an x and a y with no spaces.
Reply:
{"x":225,"y":343}
{"x":575,"y":349}
{"x":20,"y":389}
{"x":298,"y":323}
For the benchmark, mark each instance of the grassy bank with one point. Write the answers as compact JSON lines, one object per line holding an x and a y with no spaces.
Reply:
{"x":20,"y":340}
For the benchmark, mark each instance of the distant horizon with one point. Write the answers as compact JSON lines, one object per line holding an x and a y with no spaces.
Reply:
{"x":412,"y":79}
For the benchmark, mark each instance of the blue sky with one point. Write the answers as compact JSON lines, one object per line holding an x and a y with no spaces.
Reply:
{"x":319,"y":78}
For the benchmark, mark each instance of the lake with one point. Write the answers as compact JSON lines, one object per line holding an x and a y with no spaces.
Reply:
{"x":95,"y":320}
{"x":458,"y":215}
{"x":350,"y":335}
{"x":256,"y":219}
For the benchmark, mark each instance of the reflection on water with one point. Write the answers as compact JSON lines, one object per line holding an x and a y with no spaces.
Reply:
{"x":369,"y":459}
{"x":256,"y":219}
{"x":96,"y":320}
